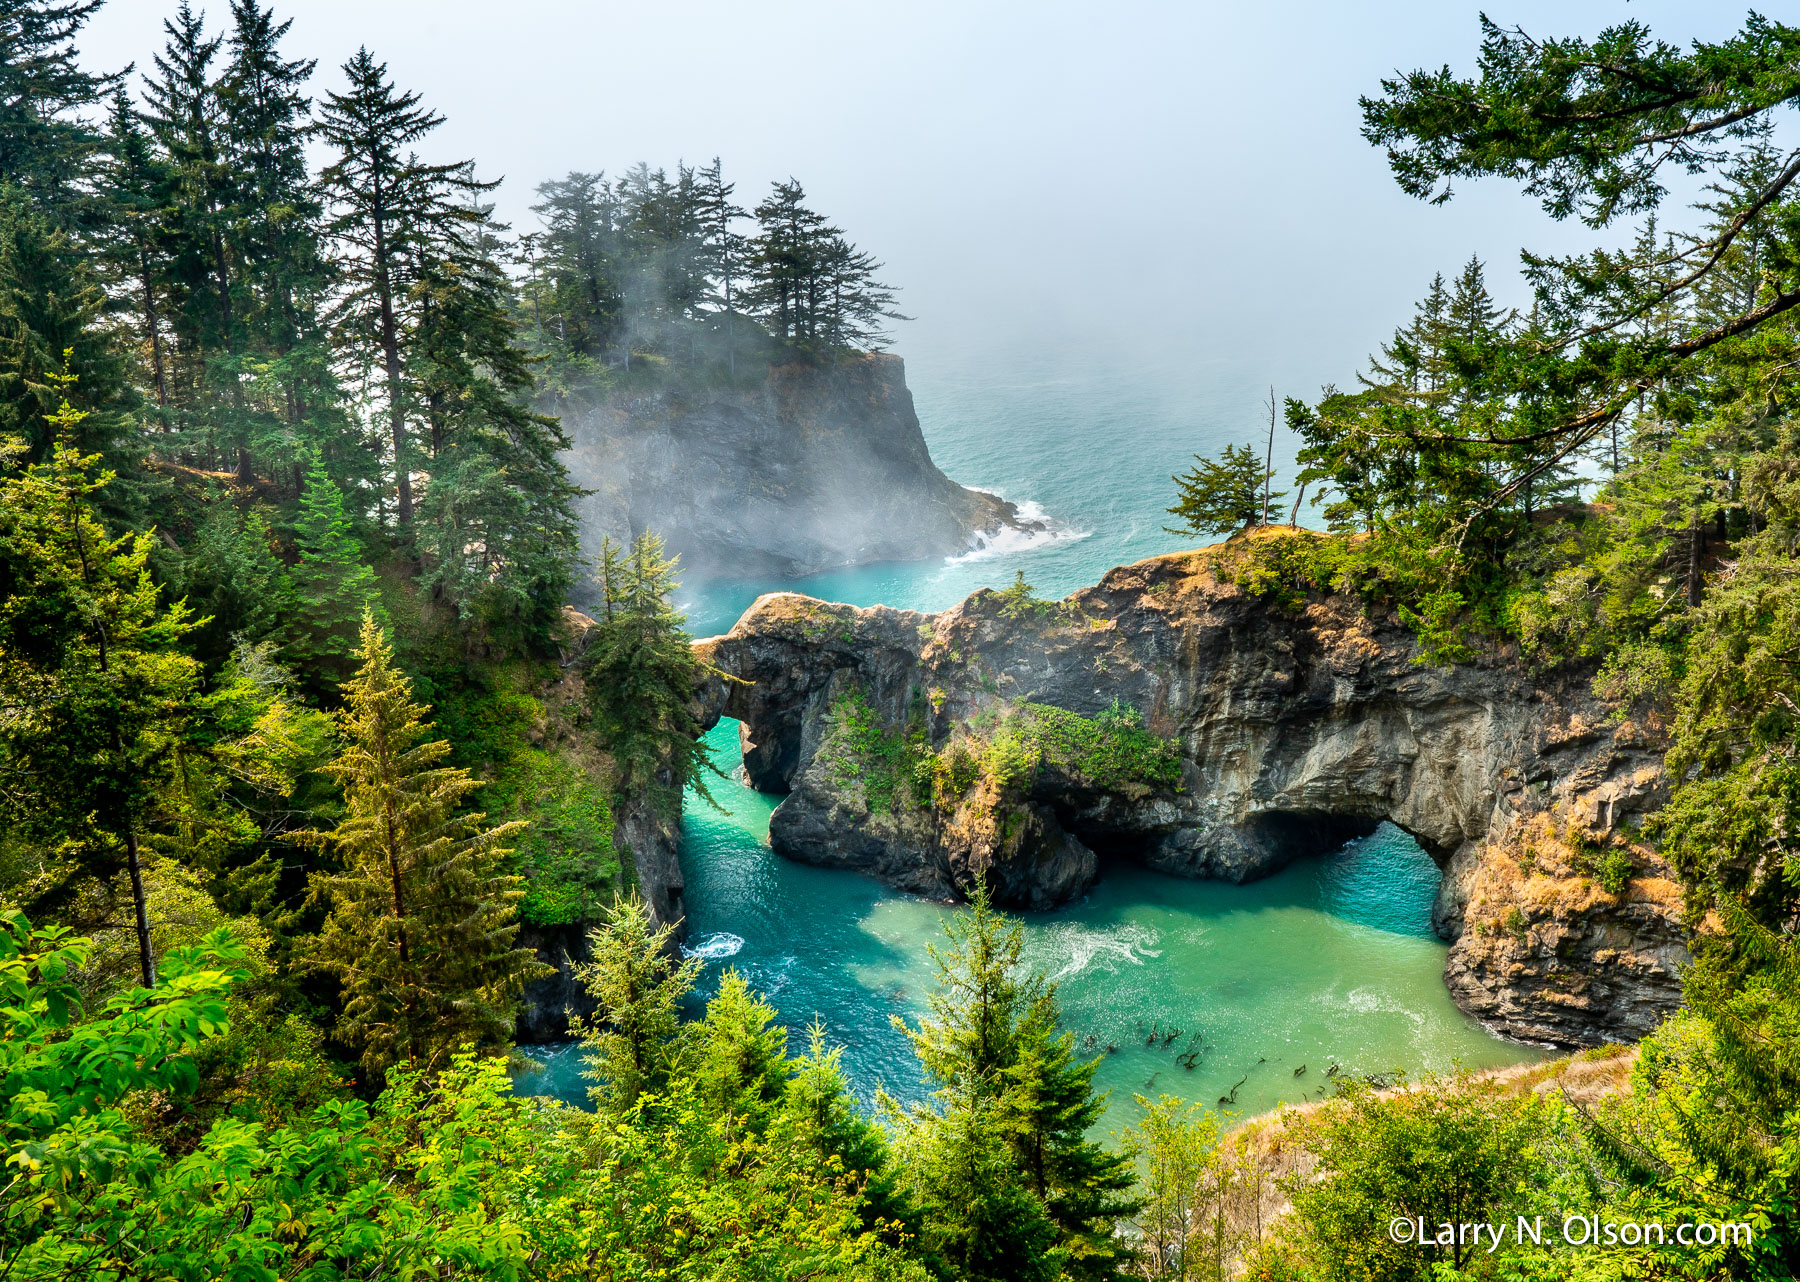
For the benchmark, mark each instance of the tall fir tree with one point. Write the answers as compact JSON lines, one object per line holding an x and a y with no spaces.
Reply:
{"x":388,"y":209}
{"x":293,"y":401}
{"x":140,"y":186}
{"x":50,"y":310}
{"x":420,"y":930}
{"x":577,"y":299}
{"x":49,"y":106}
{"x":635,"y":1039}
{"x":185,"y":114}
{"x":641,"y":673}
{"x":330,"y":585}
{"x":1016,"y":1188}
{"x":496,"y":528}
{"x":725,"y":251}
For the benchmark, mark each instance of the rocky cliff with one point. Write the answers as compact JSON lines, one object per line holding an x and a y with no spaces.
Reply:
{"x":804,"y":469}
{"x":644,"y":840}
{"x":1168,"y":716}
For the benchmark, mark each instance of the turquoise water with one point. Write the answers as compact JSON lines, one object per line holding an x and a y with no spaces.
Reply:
{"x":1331,"y":962}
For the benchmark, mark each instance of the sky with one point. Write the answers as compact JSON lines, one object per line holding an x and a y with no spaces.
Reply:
{"x":1127,"y":182}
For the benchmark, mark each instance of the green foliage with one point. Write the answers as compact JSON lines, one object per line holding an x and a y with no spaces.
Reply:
{"x":420,"y":926}
{"x":331,"y":583}
{"x":862,"y":751}
{"x":1000,"y":1155}
{"x":231,"y":577}
{"x":1018,"y":602}
{"x":635,"y":1039}
{"x":1222,"y":496}
{"x":1173,"y":1144}
{"x":1442,"y":1150}
{"x":1110,"y":752}
{"x":565,"y":852}
{"x":462,"y":1181}
{"x":112,"y":744}
{"x":1615,"y":870}
{"x":641,"y":674}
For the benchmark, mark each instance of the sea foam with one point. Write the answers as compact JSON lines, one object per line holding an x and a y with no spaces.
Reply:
{"x":1007,"y":541}
{"x":715,"y":947}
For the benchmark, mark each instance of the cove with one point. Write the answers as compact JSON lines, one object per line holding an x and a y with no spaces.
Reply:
{"x":1330,"y":962}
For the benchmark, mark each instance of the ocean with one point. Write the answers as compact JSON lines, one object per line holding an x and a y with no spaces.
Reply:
{"x":1326,"y":969}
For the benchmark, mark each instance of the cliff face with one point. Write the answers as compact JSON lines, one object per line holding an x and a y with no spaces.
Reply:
{"x":645,"y":838}
{"x":808,"y":469}
{"x":1295,"y":729}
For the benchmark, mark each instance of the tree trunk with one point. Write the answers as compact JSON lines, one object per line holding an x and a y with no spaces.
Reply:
{"x":146,"y":964}
{"x":154,"y":327}
{"x":390,"y":354}
{"x":1696,"y":544}
{"x":1269,"y":458}
{"x":1294,"y":516}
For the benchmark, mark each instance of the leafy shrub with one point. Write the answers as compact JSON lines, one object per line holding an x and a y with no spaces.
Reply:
{"x":1616,"y":870}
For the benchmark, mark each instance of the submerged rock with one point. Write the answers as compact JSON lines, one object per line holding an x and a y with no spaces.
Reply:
{"x":802,"y":470}
{"x":1018,"y":740}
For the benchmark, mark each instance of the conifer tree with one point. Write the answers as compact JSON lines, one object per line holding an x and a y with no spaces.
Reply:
{"x":578,"y":279}
{"x":48,"y":106}
{"x":231,"y":577}
{"x":1414,"y":359}
{"x":814,"y":289}
{"x":389,"y":207}
{"x":186,"y":118}
{"x":99,"y":701}
{"x":635,"y":1039}
{"x":1017,"y":1189}
{"x":641,"y":673}
{"x":420,"y":926}
{"x":1222,"y":496}
{"x":740,"y":1055}
{"x":819,"y":1104}
{"x":293,"y":400}
{"x":1046,"y":1110}
{"x":725,"y":250}
{"x":139,"y":186}
{"x":50,"y":307}
{"x":331,"y":584}
{"x":496,"y":526}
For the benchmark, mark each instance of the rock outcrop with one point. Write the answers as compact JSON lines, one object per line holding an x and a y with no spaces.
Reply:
{"x":930,"y":750}
{"x":803,"y":470}
{"x":645,"y":840}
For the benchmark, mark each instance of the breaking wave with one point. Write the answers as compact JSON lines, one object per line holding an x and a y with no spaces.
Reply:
{"x":1012,"y":539}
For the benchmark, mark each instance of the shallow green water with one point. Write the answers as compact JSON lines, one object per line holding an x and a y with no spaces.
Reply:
{"x":1330,"y":962}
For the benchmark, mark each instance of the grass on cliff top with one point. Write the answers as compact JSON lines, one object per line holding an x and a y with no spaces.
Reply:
{"x":895,"y":767}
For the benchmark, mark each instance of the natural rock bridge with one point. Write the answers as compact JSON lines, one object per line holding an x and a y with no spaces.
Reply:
{"x":1296,"y":729}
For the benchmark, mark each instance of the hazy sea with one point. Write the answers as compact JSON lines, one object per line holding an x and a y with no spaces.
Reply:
{"x":1331,"y":962}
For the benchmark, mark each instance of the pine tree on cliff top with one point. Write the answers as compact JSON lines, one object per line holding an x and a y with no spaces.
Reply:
{"x":641,"y":672}
{"x":420,"y":928}
{"x":1222,"y":496}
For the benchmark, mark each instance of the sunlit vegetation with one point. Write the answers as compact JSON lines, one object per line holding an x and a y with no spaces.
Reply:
{"x":285,"y":548}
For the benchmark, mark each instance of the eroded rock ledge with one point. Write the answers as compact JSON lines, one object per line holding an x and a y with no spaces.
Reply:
{"x":896,"y":737}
